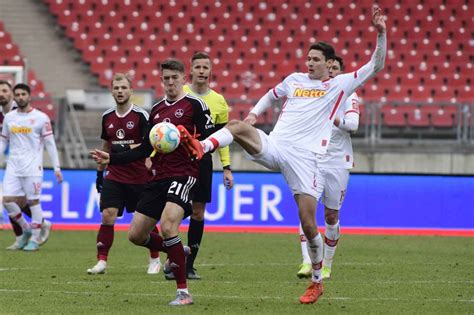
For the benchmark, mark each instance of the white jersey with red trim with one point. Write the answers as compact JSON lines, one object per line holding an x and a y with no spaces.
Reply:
{"x":340,"y":154}
{"x":307,"y":116}
{"x":26,"y":132}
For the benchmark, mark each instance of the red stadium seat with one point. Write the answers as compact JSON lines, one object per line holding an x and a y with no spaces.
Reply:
{"x":242,"y":35}
{"x":418,"y":116}
{"x":394,"y":116}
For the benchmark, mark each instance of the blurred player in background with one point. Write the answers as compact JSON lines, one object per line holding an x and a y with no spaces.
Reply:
{"x":8,"y":104}
{"x":201,"y":68}
{"x":123,"y":125}
{"x":27,"y":131}
{"x":333,"y":176}
{"x":168,"y":197}
{"x":302,"y":132}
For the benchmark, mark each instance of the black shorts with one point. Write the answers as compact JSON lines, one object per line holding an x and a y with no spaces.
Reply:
{"x":202,"y":192}
{"x":120,"y":196}
{"x":178,"y":190}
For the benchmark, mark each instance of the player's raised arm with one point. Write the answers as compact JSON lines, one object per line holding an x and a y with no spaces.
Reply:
{"x":377,"y":62}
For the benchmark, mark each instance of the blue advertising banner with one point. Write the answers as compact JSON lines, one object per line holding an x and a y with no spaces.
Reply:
{"x":264,"y":200}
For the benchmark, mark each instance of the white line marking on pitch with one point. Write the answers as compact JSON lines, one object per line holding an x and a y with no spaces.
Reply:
{"x":235,"y":296}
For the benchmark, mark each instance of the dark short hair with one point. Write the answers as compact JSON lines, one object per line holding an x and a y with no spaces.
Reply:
{"x":325,"y":48}
{"x":22,"y":86}
{"x":340,"y":60}
{"x":200,"y":55}
{"x":5,"y":82}
{"x":172,"y":64}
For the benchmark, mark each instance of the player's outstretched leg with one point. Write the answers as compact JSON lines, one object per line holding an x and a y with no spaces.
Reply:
{"x":191,"y":144}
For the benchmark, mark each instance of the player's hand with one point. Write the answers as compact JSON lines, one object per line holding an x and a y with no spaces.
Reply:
{"x":228,"y":179}
{"x":59,"y":176}
{"x":100,"y":157}
{"x":148,"y":164}
{"x":99,"y":181}
{"x":378,"y":19}
{"x":251,"y":119}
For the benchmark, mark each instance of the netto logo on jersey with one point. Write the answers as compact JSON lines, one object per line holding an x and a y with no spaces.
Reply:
{"x":120,"y":134}
{"x":130,"y":125}
{"x":15,"y":129}
{"x":309,"y":93}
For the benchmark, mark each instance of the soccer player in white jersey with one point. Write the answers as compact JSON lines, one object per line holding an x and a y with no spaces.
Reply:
{"x":28,"y":131}
{"x":7,"y":104}
{"x":333,"y":176}
{"x":302,"y":131}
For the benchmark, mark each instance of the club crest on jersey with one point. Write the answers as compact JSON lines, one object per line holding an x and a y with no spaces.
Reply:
{"x":120,"y":134}
{"x":179,"y":113}
{"x":310,"y":93}
{"x":167,"y":120}
{"x":130,"y":125}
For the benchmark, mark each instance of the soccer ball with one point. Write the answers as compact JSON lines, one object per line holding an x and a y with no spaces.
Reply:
{"x":164,"y":137}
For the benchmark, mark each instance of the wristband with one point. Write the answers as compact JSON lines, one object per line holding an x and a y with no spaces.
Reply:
{"x":227,"y":167}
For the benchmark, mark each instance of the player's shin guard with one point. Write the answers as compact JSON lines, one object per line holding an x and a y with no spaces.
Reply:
{"x":316,"y":249}
{"x":177,"y":258}
{"x":219,"y":139}
{"x":195,"y":232}
{"x":304,"y":247}
{"x":331,"y":238}
{"x":14,"y":212}
{"x":36,"y":221}
{"x":154,"y":253}
{"x":105,"y":239}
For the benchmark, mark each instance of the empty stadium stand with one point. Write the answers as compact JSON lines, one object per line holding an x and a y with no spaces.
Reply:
{"x":10,"y":55}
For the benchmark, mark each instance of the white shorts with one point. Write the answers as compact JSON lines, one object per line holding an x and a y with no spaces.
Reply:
{"x":17,"y":186}
{"x":332,"y":186}
{"x":297,"y":166}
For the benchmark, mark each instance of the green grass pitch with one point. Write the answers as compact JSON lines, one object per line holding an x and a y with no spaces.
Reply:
{"x":242,"y":273}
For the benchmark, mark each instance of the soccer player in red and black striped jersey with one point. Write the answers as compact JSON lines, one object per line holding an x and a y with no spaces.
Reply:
{"x":123,"y":125}
{"x":168,"y":197}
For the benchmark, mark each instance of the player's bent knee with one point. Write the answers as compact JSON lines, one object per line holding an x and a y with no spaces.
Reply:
{"x":136,"y":237}
{"x":331,"y":216}
{"x":198,"y":216}
{"x":109,"y":216}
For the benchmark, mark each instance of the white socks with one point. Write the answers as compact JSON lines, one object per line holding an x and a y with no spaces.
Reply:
{"x":219,"y":139}
{"x":36,"y":220}
{"x":14,"y":212}
{"x":304,"y":248}
{"x":332,"y":235}
{"x":315,"y":248}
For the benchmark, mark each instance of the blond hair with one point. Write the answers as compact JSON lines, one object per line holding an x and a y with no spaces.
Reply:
{"x":121,"y":76}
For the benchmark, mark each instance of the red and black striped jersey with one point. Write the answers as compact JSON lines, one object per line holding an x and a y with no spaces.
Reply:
{"x":129,"y":128}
